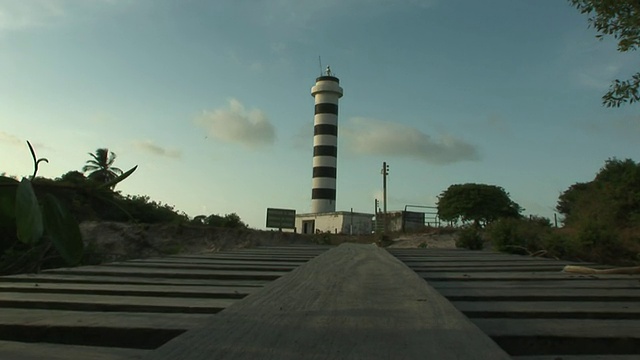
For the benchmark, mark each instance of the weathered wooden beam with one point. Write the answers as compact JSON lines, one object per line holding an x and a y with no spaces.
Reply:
{"x":352,"y":302}
{"x":11,"y":350}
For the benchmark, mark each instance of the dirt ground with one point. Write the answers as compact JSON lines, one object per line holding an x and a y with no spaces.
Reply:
{"x":112,"y":241}
{"x":425,"y":240}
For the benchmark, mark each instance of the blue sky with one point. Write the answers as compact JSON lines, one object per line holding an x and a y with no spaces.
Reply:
{"x":212,"y":98}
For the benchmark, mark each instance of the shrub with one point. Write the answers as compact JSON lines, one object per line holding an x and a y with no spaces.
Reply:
{"x":470,"y":238}
{"x":560,"y":243}
{"x":518,"y":236}
{"x":601,"y":242}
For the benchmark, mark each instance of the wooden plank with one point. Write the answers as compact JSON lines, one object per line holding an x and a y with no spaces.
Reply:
{"x":123,"y":279}
{"x":482,"y":263}
{"x":354,"y":301}
{"x":272,"y":252}
{"x":168,"y":273}
{"x":191,"y":266}
{"x":211,"y":262}
{"x":307,"y":249}
{"x":543,"y":284}
{"x":112,"y":303}
{"x":130,"y":290}
{"x":473,"y":256}
{"x":549,"y":294}
{"x":549,"y":309}
{"x":577,"y":357}
{"x":11,"y":350}
{"x":122,"y":320}
{"x":491,"y":268}
{"x":135,"y":338}
{"x":522,"y":276}
{"x":576,"y":328}
{"x":254,"y":256}
{"x":238,"y":256}
{"x":564,"y":336}
{"x":458,"y":259}
{"x":443,"y":252}
{"x":410,"y":259}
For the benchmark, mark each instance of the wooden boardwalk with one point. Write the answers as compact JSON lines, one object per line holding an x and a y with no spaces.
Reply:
{"x":124,"y":310}
{"x":347,"y":302}
{"x":531,"y":308}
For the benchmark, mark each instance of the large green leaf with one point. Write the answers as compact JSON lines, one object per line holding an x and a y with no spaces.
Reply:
{"x":7,"y":200}
{"x":63,"y":230}
{"x":28,"y":215}
{"x":118,"y":179}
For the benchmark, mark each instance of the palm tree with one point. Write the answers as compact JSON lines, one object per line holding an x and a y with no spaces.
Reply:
{"x":101,"y":166}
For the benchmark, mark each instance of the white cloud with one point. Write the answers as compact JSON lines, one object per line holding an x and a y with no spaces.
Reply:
{"x":27,"y":14}
{"x":235,"y":124}
{"x":598,"y":77}
{"x":150,"y":147}
{"x":304,"y":13}
{"x":10,"y":139}
{"x":374,"y":137}
{"x":17,"y":15}
{"x":593,"y":64}
{"x":302,"y":138}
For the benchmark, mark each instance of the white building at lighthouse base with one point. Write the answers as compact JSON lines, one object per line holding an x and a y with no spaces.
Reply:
{"x":337,"y":222}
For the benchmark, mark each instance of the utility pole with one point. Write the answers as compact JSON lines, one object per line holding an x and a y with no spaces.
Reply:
{"x":377,"y":216}
{"x":385,"y":172}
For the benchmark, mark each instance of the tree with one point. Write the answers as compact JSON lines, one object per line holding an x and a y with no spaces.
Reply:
{"x":620,"y":19}
{"x":612,"y":197}
{"x":479,"y":203}
{"x":231,"y":220}
{"x":101,"y":166}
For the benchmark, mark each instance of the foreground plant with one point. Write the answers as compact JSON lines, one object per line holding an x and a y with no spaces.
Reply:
{"x":31,"y":225}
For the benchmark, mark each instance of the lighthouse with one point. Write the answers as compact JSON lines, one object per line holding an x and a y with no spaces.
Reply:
{"x":326,"y":92}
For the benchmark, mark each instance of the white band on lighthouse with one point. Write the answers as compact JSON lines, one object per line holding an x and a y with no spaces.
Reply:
{"x":326,"y":93}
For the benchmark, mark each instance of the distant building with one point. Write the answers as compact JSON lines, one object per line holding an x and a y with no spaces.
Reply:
{"x":338,"y":222}
{"x":401,"y":221}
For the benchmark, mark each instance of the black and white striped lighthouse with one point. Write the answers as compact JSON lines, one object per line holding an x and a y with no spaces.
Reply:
{"x":326,"y":92}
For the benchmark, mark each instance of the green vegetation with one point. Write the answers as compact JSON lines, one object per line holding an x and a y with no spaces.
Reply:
{"x":39,"y":217}
{"x":479,"y":203}
{"x":31,"y":226}
{"x":470,"y":237}
{"x":620,"y":19}
{"x":601,"y":221}
{"x":101,"y":167}
{"x":231,"y":220}
{"x":602,"y":217}
{"x":519,"y":236}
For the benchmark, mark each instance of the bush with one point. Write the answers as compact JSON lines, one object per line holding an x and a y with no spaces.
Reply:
{"x":560,"y":243}
{"x":601,"y":242}
{"x":470,"y":238}
{"x":518,"y":236}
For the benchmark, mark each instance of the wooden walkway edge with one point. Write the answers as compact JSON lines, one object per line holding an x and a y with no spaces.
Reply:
{"x":353,"y":301}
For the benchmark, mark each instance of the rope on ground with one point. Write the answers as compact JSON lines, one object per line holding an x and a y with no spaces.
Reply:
{"x":588,"y":270}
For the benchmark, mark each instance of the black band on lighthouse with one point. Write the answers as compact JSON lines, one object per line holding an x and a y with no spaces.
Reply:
{"x":326,"y":108}
{"x":328,"y":194}
{"x":325,"y":150}
{"x":324,"y":172}
{"x":325,"y":129}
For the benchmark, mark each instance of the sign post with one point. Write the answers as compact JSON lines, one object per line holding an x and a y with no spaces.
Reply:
{"x":281,"y":218}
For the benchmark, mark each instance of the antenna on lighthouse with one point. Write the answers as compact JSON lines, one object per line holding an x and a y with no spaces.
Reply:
{"x":329,"y":73}
{"x":320,"y":63}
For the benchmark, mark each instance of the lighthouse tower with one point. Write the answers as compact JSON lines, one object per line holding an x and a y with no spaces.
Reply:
{"x":326,"y":92}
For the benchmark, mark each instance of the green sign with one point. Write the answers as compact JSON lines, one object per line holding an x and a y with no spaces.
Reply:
{"x":281,"y":218}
